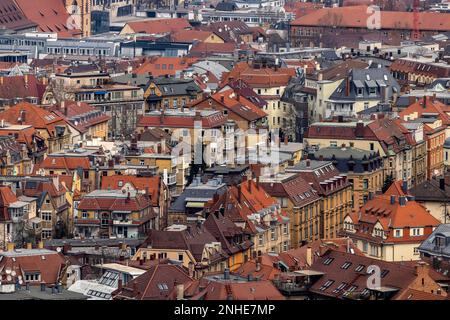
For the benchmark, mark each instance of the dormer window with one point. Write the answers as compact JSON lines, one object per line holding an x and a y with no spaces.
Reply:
{"x":440,"y":241}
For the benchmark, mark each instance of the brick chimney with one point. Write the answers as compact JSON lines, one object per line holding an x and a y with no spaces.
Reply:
{"x":309,"y":256}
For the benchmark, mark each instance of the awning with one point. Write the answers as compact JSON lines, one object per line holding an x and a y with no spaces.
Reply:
{"x":195,"y":204}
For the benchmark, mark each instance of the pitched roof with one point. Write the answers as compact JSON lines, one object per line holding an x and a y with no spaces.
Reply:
{"x":354,"y":276}
{"x":167,"y":120}
{"x":24,"y":261}
{"x":158,"y":283}
{"x":27,"y":86}
{"x":65,"y":162}
{"x":190,"y":35}
{"x":50,"y":16}
{"x":161,"y":66}
{"x":238,"y":105}
{"x":159,"y":26}
{"x":357,"y":17}
{"x":13,"y":18}
{"x":35,"y":116}
{"x":392,"y":216}
{"x":262,"y":77}
{"x":151,"y":184}
{"x":6,"y":198}
{"x":114,"y":200}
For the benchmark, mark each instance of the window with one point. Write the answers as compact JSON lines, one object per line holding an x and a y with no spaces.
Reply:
{"x":84,"y":215}
{"x":285,"y":229}
{"x":340,"y":287}
{"x":416,"y":232}
{"x":109,"y":278}
{"x":163,"y":286}
{"x":180,"y":257}
{"x":346,"y":265}
{"x":360,"y":268}
{"x":328,"y":261}
{"x":365,"y":246}
{"x":46,"y":216}
{"x":260,"y":240}
{"x":46,"y":234}
{"x":32,"y":276}
{"x":272,"y":234}
{"x":398,"y":233}
{"x":371,"y":146}
{"x":326,"y":285}
{"x":384,"y":273}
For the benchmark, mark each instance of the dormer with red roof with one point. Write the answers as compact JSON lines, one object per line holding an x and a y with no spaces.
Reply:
{"x":391,"y":226}
{"x":49,"y":126}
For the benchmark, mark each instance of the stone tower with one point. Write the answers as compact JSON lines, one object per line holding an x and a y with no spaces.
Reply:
{"x":81,"y":11}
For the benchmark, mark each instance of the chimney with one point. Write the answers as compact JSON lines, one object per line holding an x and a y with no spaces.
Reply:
{"x":1,"y":80}
{"x":309,"y":256}
{"x":41,"y":245}
{"x":180,"y":291}
{"x":238,"y":97}
{"x":442,"y":184}
{"x":405,"y":187}
{"x":285,"y":140}
{"x":258,"y":264}
{"x":191,"y":269}
{"x":359,"y":132}
{"x":308,"y":163}
{"x":257,"y":182}
{"x":226,"y":274}
{"x":250,"y":186}
{"x":392,"y":199}
{"x":424,"y":104}
{"x":239,"y":193}
{"x":161,"y":117}
{"x":10,"y":246}
{"x":29,"y":246}
{"x":119,"y":284}
{"x":347,"y":86}
{"x":222,"y":98}
{"x":433,"y":99}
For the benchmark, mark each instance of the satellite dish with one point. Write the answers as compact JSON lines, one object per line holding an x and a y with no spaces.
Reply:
{"x":58,"y":249}
{"x":13,"y":273}
{"x":8,"y":271}
{"x":8,"y":277}
{"x":20,"y":281}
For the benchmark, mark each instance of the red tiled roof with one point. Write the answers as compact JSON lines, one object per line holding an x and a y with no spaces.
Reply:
{"x":35,"y":116}
{"x":205,"y":49}
{"x":191,"y":35}
{"x":208,"y":122}
{"x":135,"y":203}
{"x":420,"y":68}
{"x":150,"y":285}
{"x":13,"y":18}
{"x":357,"y":17}
{"x":21,"y":87}
{"x":6,"y":198}
{"x":50,"y":16}
{"x":393,"y":216}
{"x":116,"y":182}
{"x":65,"y":162}
{"x":263,"y":77}
{"x":161,"y":66}
{"x":50,"y":265}
{"x":159,"y":26}
{"x":426,"y":105}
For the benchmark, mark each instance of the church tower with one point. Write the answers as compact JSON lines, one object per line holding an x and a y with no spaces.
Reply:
{"x":81,"y":11}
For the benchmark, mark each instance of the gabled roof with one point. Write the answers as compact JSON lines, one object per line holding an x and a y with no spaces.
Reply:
{"x":357,"y":17}
{"x":35,"y":116}
{"x":13,"y":18}
{"x":117,"y":182}
{"x":166,"y":120}
{"x":392,"y":216}
{"x":160,"y":66}
{"x":65,"y":162}
{"x":237,"y":104}
{"x":50,"y":16}
{"x":48,"y":263}
{"x":159,"y":26}
{"x":27,"y":86}
{"x":114,"y":200}
{"x":262,"y":77}
{"x":191,"y":35}
{"x":396,"y":277}
{"x":7,"y":197}
{"x":158,"y":283}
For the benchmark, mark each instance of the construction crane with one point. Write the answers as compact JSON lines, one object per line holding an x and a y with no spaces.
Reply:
{"x":416,"y":22}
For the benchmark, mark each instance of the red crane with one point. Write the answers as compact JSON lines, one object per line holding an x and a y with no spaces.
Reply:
{"x":416,"y":17}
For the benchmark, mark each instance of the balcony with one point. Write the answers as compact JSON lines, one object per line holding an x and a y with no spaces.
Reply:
{"x":86,"y":222}
{"x":126,"y":222}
